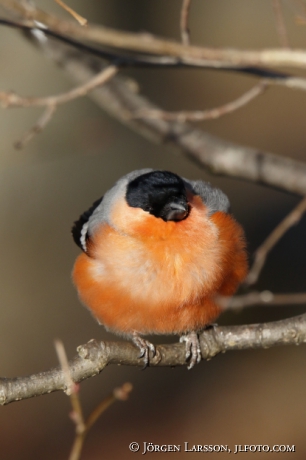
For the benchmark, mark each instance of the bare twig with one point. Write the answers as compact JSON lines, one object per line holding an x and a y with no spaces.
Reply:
{"x":119,"y":394}
{"x":77,"y":446}
{"x":280,"y":23}
{"x":185,"y":33}
{"x":38,"y":127}
{"x":261,"y":298}
{"x":95,"y":356}
{"x":183,"y":116}
{"x":72,"y":389}
{"x":63,"y":360}
{"x":261,"y":253}
{"x":82,"y":21}
{"x":9,"y":99}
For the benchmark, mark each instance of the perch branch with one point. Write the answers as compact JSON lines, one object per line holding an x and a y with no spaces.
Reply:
{"x":95,"y":356}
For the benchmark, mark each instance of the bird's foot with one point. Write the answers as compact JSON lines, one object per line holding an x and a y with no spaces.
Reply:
{"x":193,"y":350}
{"x":144,"y":347}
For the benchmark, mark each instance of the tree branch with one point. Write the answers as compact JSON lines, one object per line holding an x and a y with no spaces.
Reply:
{"x":210,"y":152}
{"x":82,"y":426}
{"x":262,"y":252}
{"x":210,"y":114}
{"x":261,"y":298}
{"x":217,"y":155}
{"x":146,"y":43}
{"x":10,"y":99}
{"x":280,"y":24}
{"x":38,"y":127}
{"x":118,"y":394}
{"x":185,"y":34}
{"x":82,"y":21}
{"x":95,"y":356}
{"x":151,"y":61}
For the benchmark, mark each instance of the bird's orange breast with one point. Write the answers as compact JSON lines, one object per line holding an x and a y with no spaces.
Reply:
{"x":145,"y":275}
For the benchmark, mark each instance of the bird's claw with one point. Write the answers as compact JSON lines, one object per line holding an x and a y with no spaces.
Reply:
{"x":144,"y":347}
{"x":193,"y":350}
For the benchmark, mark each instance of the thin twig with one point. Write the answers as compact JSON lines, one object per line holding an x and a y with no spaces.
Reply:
{"x":72,"y":389}
{"x":185,"y":33}
{"x":261,"y":298}
{"x":119,"y":394}
{"x":38,"y":127}
{"x":9,"y":99}
{"x":183,"y":116}
{"x":280,"y":23}
{"x":262,"y":252}
{"x":73,"y":13}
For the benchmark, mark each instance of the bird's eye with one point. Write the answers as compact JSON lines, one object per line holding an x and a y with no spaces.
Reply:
{"x":148,"y":208}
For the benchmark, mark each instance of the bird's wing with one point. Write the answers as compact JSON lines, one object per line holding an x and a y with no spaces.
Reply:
{"x":80,"y":227}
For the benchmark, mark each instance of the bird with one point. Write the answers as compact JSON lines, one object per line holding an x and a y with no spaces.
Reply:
{"x":157,"y":251}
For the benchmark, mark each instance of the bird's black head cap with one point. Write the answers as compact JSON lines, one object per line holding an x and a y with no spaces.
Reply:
{"x":161,"y":193}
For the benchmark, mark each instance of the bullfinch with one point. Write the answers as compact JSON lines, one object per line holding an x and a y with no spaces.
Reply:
{"x":157,"y":251}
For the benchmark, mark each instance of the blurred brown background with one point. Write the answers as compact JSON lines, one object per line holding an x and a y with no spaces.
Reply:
{"x":250,"y":397}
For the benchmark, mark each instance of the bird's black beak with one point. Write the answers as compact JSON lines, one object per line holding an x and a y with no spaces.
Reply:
{"x":176,"y":211}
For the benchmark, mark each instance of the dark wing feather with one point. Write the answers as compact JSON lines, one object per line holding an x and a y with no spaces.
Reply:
{"x":79,"y":224}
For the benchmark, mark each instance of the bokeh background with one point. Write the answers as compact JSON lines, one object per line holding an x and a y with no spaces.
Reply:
{"x":246,"y":397}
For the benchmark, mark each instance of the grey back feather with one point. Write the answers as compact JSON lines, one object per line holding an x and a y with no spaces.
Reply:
{"x":212,"y":197}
